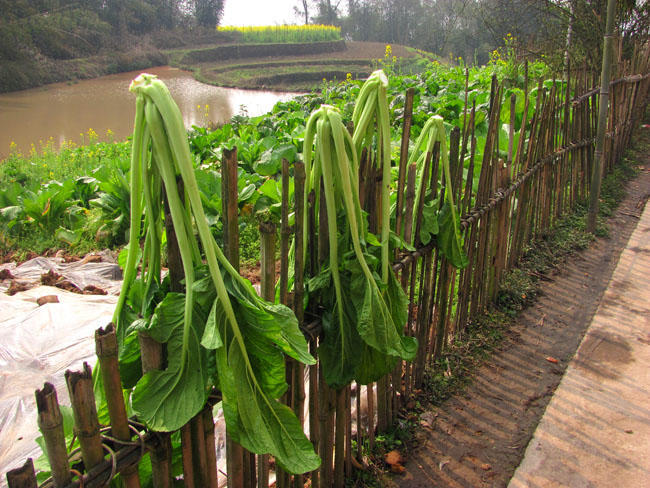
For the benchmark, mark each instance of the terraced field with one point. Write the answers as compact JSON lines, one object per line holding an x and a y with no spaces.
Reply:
{"x":287,"y":70}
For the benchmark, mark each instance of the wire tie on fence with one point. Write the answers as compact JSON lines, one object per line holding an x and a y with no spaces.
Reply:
{"x":140,"y":440}
{"x":74,"y":438}
{"x":113,"y":464}
{"x":79,"y":475}
{"x":137,"y":424}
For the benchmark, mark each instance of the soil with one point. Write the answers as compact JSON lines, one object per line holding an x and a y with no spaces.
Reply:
{"x":478,"y":438}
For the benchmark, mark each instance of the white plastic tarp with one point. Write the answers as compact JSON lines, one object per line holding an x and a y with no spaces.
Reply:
{"x":38,"y":344}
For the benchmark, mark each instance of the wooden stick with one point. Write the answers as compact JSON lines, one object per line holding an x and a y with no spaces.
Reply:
{"x":210,"y":448}
{"x":86,"y":425}
{"x":299,"y":291}
{"x":23,"y":477}
{"x":106,"y":349}
{"x":339,"y":447}
{"x":50,"y":422}
{"x":267,"y":275}
{"x":403,"y":158}
{"x":234,"y":452}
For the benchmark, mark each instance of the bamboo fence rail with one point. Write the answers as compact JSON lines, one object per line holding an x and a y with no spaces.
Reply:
{"x":523,"y":189}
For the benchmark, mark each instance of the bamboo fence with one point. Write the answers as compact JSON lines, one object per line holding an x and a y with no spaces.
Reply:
{"x":522,"y":190}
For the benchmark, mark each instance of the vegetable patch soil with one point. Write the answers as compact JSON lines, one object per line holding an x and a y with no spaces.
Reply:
{"x":478,"y":437}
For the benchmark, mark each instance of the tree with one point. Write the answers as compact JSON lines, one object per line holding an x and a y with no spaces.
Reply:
{"x":302,"y":9}
{"x":208,"y":13}
{"x":328,"y":12}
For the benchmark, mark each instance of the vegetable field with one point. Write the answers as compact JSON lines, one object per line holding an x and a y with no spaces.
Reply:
{"x":394,"y":208}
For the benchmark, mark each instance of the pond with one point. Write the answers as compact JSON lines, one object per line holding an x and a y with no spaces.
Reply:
{"x":62,"y":112}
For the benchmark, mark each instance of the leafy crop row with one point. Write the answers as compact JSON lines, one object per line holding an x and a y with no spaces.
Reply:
{"x":97,"y":212}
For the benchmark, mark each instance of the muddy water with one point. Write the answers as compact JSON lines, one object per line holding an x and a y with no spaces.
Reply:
{"x":63,"y":112}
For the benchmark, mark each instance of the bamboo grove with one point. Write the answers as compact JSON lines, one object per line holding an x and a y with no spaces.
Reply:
{"x":491,"y":207}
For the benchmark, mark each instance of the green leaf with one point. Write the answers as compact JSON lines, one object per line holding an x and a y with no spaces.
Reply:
{"x":257,"y":422}
{"x":276,"y":323}
{"x":272,"y":189}
{"x":376,"y":321}
{"x":339,"y":348}
{"x":167,"y":400}
{"x":211,"y":337}
{"x":246,"y":192}
{"x":68,"y":236}
{"x":449,"y":239}
{"x":429,"y":223}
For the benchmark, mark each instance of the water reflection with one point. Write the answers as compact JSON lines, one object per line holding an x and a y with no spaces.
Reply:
{"x":63,"y":112}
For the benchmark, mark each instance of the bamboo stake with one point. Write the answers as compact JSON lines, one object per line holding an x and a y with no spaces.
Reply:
{"x":106,"y":349}
{"x":370,"y":392}
{"x":199,"y":455}
{"x":359,"y":436}
{"x":314,"y":404}
{"x":339,"y":445}
{"x":234,"y":452}
{"x":299,"y":291}
{"x":23,"y":477}
{"x":50,"y":422}
{"x":283,"y":478}
{"x":596,"y":177}
{"x":210,"y":448}
{"x":403,"y":159}
{"x":189,"y":475}
{"x":267,"y":285}
{"x":86,"y":425}
{"x":348,"y":430}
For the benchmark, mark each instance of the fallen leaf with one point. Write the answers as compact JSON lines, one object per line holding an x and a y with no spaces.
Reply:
{"x":486,"y":467}
{"x":47,"y":299}
{"x":393,"y":457}
{"x":397,"y":468}
{"x":551,"y":359}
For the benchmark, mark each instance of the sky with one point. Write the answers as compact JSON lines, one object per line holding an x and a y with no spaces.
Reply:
{"x":259,"y":12}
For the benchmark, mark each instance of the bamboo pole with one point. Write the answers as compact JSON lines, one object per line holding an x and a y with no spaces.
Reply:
{"x":23,"y":477}
{"x":267,"y":286}
{"x":210,"y":448}
{"x":107,"y":353}
{"x":234,"y":452}
{"x":314,"y":404}
{"x":299,"y":292}
{"x":50,"y":422}
{"x":403,"y":159}
{"x":596,"y":176}
{"x":339,"y":445}
{"x":86,"y":425}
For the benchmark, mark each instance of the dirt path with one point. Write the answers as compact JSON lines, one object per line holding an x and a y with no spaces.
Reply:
{"x":478,"y":438}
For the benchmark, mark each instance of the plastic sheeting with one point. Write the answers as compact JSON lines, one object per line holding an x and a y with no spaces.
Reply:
{"x":105,"y":275}
{"x":38,"y":344}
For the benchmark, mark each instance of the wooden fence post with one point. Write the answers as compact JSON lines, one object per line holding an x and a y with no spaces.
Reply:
{"x":86,"y":425}
{"x":23,"y":477}
{"x":106,"y":349}
{"x":50,"y":422}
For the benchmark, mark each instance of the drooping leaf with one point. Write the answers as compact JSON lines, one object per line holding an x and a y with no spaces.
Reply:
{"x":253,"y":419}
{"x":449,"y":239}
{"x":166,"y":400}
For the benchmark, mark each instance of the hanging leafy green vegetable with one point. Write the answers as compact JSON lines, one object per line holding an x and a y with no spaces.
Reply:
{"x":445,"y":223}
{"x":365,"y":314}
{"x":219,"y":323}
